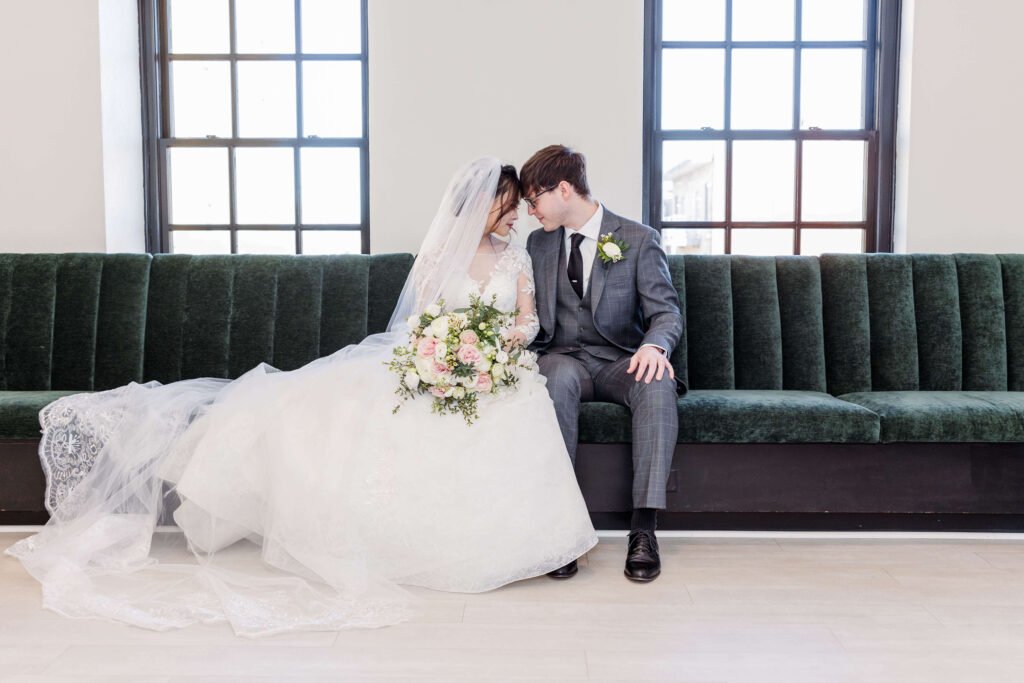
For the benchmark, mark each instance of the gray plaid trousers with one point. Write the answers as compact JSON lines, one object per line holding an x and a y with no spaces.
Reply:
{"x":577,"y":377}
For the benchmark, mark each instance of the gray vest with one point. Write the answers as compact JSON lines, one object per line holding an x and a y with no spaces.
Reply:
{"x":574,"y":319}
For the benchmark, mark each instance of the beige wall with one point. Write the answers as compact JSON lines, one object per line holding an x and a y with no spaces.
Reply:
{"x":452,"y":79}
{"x":962,"y":175}
{"x":121,"y":102}
{"x":51,"y":147}
{"x":70,"y":127}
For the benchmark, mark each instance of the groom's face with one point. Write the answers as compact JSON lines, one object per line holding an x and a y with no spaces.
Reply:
{"x":546,"y":206}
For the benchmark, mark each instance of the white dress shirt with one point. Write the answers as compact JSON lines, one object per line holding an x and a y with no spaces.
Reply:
{"x":591,"y":232}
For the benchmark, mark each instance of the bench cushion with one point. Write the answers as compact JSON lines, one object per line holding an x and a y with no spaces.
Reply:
{"x":19,"y":412}
{"x":744,"y":416}
{"x":959,"y":416}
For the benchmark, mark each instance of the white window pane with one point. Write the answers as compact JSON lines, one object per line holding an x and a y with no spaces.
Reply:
{"x":332,"y":99}
{"x":693,"y":20}
{"x":763,"y":180}
{"x":200,"y":242}
{"x":201,"y":98}
{"x":762,"y":241}
{"x":832,"y":184}
{"x":199,"y":26}
{"x":833,"y":20}
{"x":763,"y":19}
{"x":818,"y":241}
{"x":331,"y":26}
{"x":266,"y":99}
{"x":265,"y":185}
{"x":762,"y":89}
{"x":693,"y":241}
{"x":266,"y":241}
{"x":330,"y":185}
{"x":199,"y":185}
{"x":265,"y":26}
{"x":832,"y":89}
{"x":332,"y":242}
{"x":693,"y":180}
{"x":692,"y":89}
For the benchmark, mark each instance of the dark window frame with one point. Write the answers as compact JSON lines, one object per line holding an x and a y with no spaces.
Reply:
{"x":882,"y":53}
{"x":154,"y":65}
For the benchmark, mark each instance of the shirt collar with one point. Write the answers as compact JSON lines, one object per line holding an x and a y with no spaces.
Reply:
{"x":592,"y":228}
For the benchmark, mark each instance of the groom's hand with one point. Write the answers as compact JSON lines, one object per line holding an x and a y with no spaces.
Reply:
{"x":651,"y":360}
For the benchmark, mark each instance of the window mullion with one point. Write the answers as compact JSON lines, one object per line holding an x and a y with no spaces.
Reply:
{"x":297,"y":151}
{"x":232,"y":200}
{"x":728,"y":127}
{"x":798,"y":166}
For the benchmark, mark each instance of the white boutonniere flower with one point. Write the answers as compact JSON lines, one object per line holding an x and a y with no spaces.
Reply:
{"x":610,"y":249}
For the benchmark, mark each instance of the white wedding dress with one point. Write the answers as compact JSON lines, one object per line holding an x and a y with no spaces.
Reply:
{"x":305,"y":502}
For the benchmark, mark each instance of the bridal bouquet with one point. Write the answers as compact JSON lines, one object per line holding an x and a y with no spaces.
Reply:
{"x":458,"y":356}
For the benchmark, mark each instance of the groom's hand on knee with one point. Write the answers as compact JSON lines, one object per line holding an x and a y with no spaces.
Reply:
{"x":650,"y":363}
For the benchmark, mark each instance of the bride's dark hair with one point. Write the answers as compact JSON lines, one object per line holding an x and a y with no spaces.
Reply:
{"x":508,"y":182}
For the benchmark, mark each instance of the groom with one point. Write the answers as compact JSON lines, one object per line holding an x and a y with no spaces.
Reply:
{"x":609,"y":319}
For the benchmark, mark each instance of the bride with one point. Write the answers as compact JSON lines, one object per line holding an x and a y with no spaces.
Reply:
{"x":305,"y":503}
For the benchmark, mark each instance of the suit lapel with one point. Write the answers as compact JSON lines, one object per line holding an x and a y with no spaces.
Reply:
{"x":599,"y":271}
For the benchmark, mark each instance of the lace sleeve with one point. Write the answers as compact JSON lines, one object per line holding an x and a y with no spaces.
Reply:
{"x":527,"y":322}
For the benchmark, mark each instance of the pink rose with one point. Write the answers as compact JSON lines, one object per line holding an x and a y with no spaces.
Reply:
{"x":469,"y":337}
{"x":440,"y":369}
{"x":437,"y":391}
{"x":425,"y":347}
{"x":469,"y":354}
{"x":483,"y":382}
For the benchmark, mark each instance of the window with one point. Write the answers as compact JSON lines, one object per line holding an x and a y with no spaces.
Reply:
{"x":769,"y":125}
{"x":255,"y":122}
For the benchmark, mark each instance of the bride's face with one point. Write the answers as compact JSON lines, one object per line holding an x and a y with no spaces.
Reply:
{"x":501,"y":223}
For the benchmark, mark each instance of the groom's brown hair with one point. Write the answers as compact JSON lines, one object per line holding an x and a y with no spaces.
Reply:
{"x":552,"y":165}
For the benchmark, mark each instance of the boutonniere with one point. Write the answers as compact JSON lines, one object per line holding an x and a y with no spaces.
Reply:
{"x":611,"y":249}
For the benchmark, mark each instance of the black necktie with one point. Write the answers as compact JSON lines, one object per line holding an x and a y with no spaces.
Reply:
{"x":575,"y":269}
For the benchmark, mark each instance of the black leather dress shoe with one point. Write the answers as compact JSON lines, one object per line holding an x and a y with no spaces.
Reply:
{"x":642,"y":560}
{"x":566,"y":572}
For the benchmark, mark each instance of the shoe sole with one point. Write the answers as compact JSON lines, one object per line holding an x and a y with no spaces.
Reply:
{"x":641,"y":579}
{"x":564,"y":576}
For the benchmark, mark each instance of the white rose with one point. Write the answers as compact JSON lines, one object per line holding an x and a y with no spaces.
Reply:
{"x":412,"y":380}
{"x":459,"y":319}
{"x":426,"y":373}
{"x":612,"y":250}
{"x":433,"y":309}
{"x":497,"y":371}
{"x":441,"y":325}
{"x":449,"y":391}
{"x":413,"y":321}
{"x":440,"y":351}
{"x":459,"y":392}
{"x":468,"y":381}
{"x":484,"y":365}
{"x":501,"y":356}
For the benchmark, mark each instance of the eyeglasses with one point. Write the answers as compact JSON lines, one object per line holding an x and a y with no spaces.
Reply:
{"x":530,"y":200}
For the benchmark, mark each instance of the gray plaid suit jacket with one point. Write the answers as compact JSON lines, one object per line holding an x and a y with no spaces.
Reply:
{"x":633,"y":300}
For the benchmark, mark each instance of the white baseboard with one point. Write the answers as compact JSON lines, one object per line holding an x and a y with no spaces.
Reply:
{"x":829,"y":535}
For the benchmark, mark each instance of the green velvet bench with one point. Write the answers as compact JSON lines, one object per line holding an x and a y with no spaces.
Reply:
{"x":842,"y":392}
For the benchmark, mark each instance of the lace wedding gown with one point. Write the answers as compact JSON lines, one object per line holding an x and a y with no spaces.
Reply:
{"x":305,"y":502}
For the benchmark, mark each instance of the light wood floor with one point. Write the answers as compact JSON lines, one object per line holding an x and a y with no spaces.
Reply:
{"x":784,"y":608}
